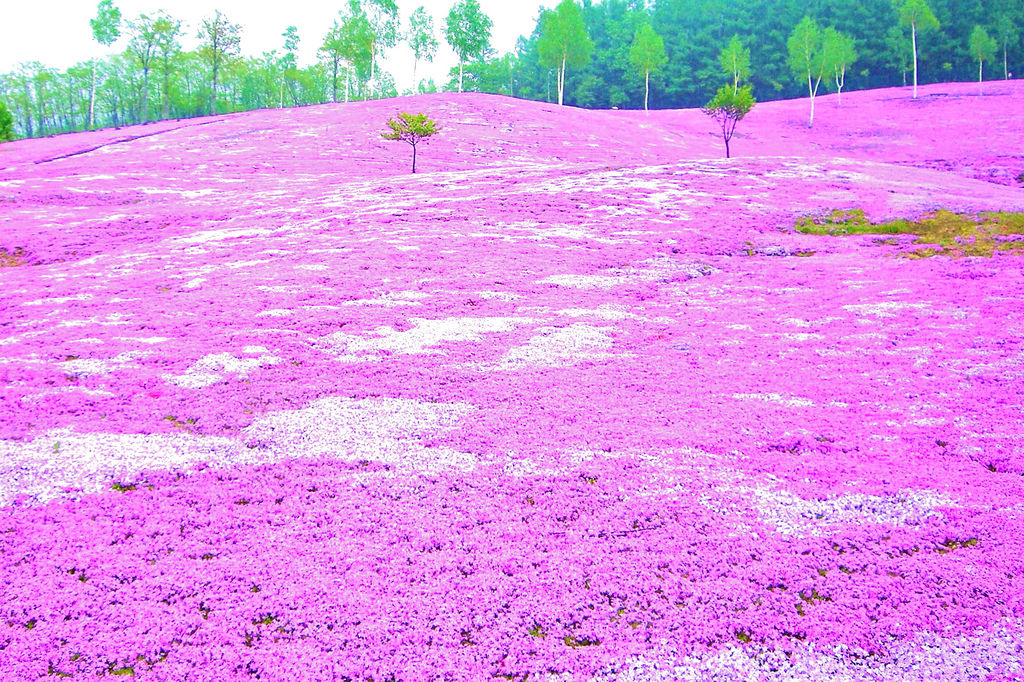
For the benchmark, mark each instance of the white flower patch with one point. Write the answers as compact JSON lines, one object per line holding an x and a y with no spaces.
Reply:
{"x":792,"y":515}
{"x":924,"y":657}
{"x":210,"y":369}
{"x":218,"y":235}
{"x":94,"y":366}
{"x":884,"y":309}
{"x":775,"y":398}
{"x":584,"y":281}
{"x":605,"y":311}
{"x":391,"y":300}
{"x":389,"y":430}
{"x":57,"y":301}
{"x":554,"y":346}
{"x":62,"y":463}
{"x":423,"y":338}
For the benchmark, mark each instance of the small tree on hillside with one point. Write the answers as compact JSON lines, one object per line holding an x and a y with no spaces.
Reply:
{"x":647,"y":54}
{"x":411,"y":129}
{"x":983,"y":48}
{"x":919,"y":17}
{"x":735,"y":62}
{"x":727,"y":108}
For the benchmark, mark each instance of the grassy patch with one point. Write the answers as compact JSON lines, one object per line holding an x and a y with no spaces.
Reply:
{"x":941,"y":233}
{"x":10,"y":259}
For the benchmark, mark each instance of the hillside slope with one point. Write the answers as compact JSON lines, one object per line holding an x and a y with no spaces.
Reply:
{"x":574,"y":402}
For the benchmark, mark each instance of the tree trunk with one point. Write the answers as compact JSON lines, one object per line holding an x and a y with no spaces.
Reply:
{"x":1006,"y":74}
{"x":373,"y":76}
{"x":92,"y":94}
{"x":727,"y":147}
{"x":348,"y":81}
{"x":213,"y":93}
{"x":981,"y":63}
{"x":647,"y":88}
{"x":334,"y":80}
{"x":280,"y":93}
{"x":913,"y":41}
{"x":414,"y":158}
{"x":460,"y":74}
{"x":167,"y":88}
{"x":561,"y":82}
{"x":415,"y":85}
{"x":810,"y":91}
{"x":145,"y":94}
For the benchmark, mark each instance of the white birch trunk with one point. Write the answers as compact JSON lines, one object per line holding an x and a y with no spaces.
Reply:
{"x":913,"y":41}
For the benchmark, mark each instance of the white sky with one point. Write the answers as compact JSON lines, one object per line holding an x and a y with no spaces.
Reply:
{"x":57,"y":33}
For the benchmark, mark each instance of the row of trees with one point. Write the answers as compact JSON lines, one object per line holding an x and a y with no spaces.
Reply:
{"x":591,"y":53}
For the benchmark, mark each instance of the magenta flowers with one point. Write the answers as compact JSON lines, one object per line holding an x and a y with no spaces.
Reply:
{"x":576,"y":402}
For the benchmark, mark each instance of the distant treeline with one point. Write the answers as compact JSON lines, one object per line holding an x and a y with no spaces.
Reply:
{"x":586,"y":52}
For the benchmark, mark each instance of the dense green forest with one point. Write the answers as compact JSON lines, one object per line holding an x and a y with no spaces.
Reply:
{"x":584,"y":54}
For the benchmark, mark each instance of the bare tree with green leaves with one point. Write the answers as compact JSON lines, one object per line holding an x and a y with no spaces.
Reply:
{"x":1005,"y":33}
{"x":735,"y":61}
{"x":219,"y":41}
{"x":411,"y":129}
{"x":982,"y":47}
{"x":106,"y":29}
{"x":728,"y":107}
{"x":166,"y":30}
{"x":839,"y":53}
{"x":143,"y":45}
{"x":564,"y":41}
{"x":919,"y":17}
{"x":647,"y":54}
{"x":468,"y":30}
{"x":422,"y":40}
{"x":807,"y":56}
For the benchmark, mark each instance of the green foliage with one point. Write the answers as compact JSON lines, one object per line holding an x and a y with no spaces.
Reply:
{"x":735,"y":61}
{"x":917,"y":14}
{"x":839,"y":53}
{"x":807,"y":56}
{"x":6,"y":123}
{"x":421,"y":34}
{"x":727,"y":108}
{"x":219,"y":41}
{"x":647,"y":54}
{"x":564,"y":41}
{"x":421,"y":39}
{"x":982,"y":47}
{"x":106,"y":26}
{"x":941,"y":233}
{"x":468,"y":31}
{"x":411,"y":129}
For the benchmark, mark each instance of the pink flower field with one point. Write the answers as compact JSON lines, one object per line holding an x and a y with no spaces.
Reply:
{"x":574,"y":402}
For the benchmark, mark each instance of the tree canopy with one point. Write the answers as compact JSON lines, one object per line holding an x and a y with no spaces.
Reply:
{"x":564,"y":41}
{"x":468,"y":30}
